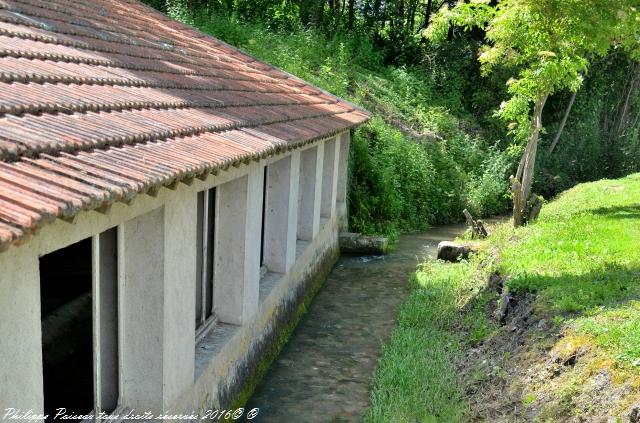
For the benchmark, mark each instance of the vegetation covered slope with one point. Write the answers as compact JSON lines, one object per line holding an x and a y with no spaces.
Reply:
{"x":422,"y":158}
{"x":568,"y":347}
{"x":434,"y":145}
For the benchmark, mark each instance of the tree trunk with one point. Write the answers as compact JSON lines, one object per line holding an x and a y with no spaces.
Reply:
{"x":518,"y":204}
{"x":411,"y":16}
{"x":351,"y":13}
{"x":427,"y":14}
{"x":563,"y":122}
{"x":630,"y":88}
{"x":523,"y":181}
{"x":617,"y":119}
{"x":477,"y":227}
{"x":451,"y":3}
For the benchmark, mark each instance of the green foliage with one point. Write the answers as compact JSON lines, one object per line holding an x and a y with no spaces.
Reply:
{"x":550,"y":41}
{"x":590,"y":148}
{"x":400,"y":180}
{"x":488,"y":185}
{"x":400,"y":184}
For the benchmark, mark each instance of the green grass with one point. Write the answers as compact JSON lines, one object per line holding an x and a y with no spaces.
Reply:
{"x":616,"y":330}
{"x":416,"y":378}
{"x":581,"y":259}
{"x":583,"y":253}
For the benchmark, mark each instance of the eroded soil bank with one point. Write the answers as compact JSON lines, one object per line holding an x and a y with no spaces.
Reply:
{"x":541,"y":325}
{"x":535,"y":369}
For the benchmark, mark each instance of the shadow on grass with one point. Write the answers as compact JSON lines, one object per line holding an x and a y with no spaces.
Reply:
{"x":570,"y":293}
{"x":619,"y":212}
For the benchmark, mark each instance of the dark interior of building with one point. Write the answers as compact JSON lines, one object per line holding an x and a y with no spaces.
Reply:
{"x":67,"y":333}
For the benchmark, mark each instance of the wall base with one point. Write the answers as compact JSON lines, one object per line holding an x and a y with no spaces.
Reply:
{"x":231,"y":360}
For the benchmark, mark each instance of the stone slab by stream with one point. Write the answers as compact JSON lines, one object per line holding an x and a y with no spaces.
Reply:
{"x":323,"y":373}
{"x":355,"y":243}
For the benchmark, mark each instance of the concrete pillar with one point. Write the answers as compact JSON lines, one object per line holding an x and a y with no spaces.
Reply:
{"x":252,"y":235}
{"x":292,"y":231}
{"x":343,"y":164}
{"x":105,"y":320}
{"x":310,"y":192}
{"x":142,"y":271}
{"x":237,"y":247}
{"x":20,"y":331}
{"x":281,"y":215}
{"x":180,"y":250}
{"x":329,"y":179}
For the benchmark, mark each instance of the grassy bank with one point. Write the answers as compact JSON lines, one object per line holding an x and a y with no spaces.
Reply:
{"x":568,"y":348}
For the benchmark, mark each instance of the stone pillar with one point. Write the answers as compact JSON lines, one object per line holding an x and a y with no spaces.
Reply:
{"x":142,"y":272}
{"x":237,"y":247}
{"x":329,"y":179}
{"x":20,"y":331}
{"x":180,"y":251}
{"x":281,"y":214}
{"x":310,"y":192}
{"x":105,"y":320}
{"x":343,"y":164}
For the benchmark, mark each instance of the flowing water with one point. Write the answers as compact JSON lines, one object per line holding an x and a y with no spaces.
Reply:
{"x":323,"y":372}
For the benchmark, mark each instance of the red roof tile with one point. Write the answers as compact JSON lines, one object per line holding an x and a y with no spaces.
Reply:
{"x":103,"y":100}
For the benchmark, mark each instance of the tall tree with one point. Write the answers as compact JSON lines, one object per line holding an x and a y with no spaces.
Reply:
{"x":551,"y":43}
{"x":351,"y":13}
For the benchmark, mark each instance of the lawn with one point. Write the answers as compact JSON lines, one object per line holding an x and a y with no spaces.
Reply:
{"x":572,"y":336}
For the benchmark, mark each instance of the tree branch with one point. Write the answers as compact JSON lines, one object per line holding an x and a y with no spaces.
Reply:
{"x":563,"y":122}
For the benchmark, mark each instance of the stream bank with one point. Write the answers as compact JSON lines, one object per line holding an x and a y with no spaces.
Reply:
{"x":323,"y":372}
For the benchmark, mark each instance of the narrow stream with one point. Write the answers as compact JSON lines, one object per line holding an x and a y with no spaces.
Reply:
{"x":323,"y":373}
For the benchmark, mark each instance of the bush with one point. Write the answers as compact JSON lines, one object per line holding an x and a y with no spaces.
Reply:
{"x":488,"y":186}
{"x":401,"y":180}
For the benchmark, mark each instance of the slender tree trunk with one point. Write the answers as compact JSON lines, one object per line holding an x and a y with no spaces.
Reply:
{"x":451,"y":3}
{"x":616,"y":126}
{"x":556,"y":138}
{"x":630,"y":88}
{"x":411,"y":16}
{"x":351,"y":13}
{"x":427,"y":14}
{"x":522,"y":183}
{"x":376,"y":12}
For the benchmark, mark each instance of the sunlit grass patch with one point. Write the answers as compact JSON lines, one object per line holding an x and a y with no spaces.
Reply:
{"x":583,"y":253}
{"x":616,"y":330}
{"x":416,"y":378}
{"x":581,"y":261}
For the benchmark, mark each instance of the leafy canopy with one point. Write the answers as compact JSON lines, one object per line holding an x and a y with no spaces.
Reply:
{"x":549,"y":42}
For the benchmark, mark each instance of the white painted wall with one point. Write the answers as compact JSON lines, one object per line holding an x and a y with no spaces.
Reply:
{"x":20,"y":333}
{"x":280,"y":213}
{"x":157,"y":265}
{"x":237,"y":247}
{"x":329,"y":179}
{"x":179,"y":296}
{"x":344,"y":142}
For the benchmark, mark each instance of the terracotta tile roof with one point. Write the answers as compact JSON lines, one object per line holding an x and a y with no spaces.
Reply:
{"x":103,"y":100}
